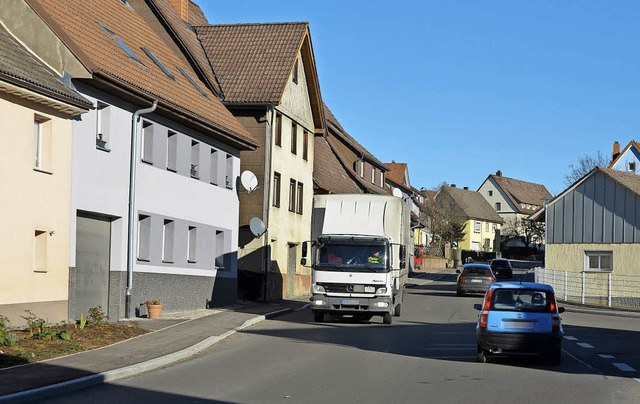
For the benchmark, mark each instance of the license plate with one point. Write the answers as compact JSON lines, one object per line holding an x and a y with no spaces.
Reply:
{"x":476,"y":280}
{"x":518,"y":325}
{"x":369,"y":289}
{"x":349,"y":302}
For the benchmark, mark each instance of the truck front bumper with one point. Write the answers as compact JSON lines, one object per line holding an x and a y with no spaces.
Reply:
{"x":351,"y":305}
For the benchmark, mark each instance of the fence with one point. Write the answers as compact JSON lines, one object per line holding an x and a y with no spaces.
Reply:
{"x":593,"y":288}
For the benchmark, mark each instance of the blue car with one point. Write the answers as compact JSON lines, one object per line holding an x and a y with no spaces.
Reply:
{"x":520,"y":317}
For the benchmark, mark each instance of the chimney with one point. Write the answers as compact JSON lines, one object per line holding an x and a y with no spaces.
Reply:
{"x":182,"y":8}
{"x":498,"y":173}
{"x":453,"y":185}
{"x":465,"y":188}
{"x":616,"y":150}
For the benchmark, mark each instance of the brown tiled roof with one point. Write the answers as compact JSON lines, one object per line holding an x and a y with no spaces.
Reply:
{"x":188,"y":39}
{"x":196,"y":16}
{"x":628,"y":180}
{"x":522,"y":192}
{"x":253,"y":61}
{"x":472,"y":204}
{"x":397,"y":173}
{"x":20,"y":68}
{"x":328,"y":172}
{"x":77,"y":24}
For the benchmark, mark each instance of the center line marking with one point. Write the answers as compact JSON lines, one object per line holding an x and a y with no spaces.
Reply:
{"x":571,"y":338}
{"x":606,"y":356}
{"x":585,"y":345}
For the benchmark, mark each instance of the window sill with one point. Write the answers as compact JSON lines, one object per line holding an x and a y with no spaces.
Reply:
{"x":144,"y":260}
{"x":104,"y":149}
{"x":192,"y":262}
{"x":598,"y":271}
{"x":147,"y":162}
{"x":173,"y":170}
{"x":40,"y":170}
{"x":40,"y":271}
{"x":167,"y":262}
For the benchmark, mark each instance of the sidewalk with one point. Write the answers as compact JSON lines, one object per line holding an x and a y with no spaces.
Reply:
{"x":174,"y":338}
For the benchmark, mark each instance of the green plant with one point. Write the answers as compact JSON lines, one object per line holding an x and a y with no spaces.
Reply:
{"x":153,"y":301}
{"x":6,"y":337}
{"x":83,"y":321}
{"x":38,"y":328}
{"x":97,"y":316}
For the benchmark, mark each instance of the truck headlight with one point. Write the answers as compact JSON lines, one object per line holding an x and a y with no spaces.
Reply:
{"x":319,"y":289}
{"x":381,"y":291}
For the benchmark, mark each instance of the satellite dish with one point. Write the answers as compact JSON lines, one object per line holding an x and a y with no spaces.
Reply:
{"x":249,"y":181}
{"x":257,"y":226}
{"x":396,"y":192}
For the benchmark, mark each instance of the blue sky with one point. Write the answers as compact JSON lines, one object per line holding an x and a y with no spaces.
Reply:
{"x":461,"y":89}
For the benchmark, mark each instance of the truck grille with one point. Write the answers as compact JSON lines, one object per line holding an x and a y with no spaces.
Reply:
{"x":348,"y":288}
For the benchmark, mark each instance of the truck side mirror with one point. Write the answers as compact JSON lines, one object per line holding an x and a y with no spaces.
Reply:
{"x":304,"y":250}
{"x":403,"y":252}
{"x":303,"y":261}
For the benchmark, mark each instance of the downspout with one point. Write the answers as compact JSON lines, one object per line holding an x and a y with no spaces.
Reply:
{"x":267,"y":196}
{"x":132,"y":201}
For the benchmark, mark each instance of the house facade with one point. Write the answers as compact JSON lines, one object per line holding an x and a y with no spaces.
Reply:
{"x":626,"y":160}
{"x":514,"y":200}
{"x":594,"y":226}
{"x":268,"y":76}
{"x":37,"y":112}
{"x":481,"y":221}
{"x":154,"y":203}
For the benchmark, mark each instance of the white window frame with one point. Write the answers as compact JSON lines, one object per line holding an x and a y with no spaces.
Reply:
{"x":598,"y":255}
{"x":478,"y":228}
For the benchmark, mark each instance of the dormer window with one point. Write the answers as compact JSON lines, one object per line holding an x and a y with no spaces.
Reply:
{"x":631,"y":167}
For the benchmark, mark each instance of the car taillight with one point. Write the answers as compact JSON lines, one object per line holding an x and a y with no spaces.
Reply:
{"x":555,"y":318}
{"x":484,"y":315}
{"x":552,"y":303}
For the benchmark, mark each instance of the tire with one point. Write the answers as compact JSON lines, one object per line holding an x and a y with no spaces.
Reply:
{"x":397,"y":311}
{"x":482,"y":355}
{"x":387,"y":318}
{"x":554,"y":356}
{"x":459,"y":293}
{"x":318,"y":316}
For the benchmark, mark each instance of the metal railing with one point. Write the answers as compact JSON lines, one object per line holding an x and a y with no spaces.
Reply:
{"x":605,"y":289}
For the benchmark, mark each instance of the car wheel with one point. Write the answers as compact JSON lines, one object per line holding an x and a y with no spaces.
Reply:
{"x":318,"y":316}
{"x":459,"y":292}
{"x":397,"y":310}
{"x":554,"y":356}
{"x":482,"y":355}
{"x":387,"y":318}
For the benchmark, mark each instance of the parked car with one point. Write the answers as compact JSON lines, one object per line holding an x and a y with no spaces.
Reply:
{"x":501,"y":268}
{"x":474,"y":278}
{"x":520,"y":317}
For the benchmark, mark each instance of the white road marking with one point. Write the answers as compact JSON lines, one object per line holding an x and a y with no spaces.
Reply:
{"x":585,"y":345}
{"x":638,"y":380}
{"x":624,"y":367}
{"x":606,"y":356}
{"x":584,"y":363}
{"x":570,"y":338}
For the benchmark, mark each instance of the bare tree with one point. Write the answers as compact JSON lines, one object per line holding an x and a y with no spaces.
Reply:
{"x":585,"y":164}
{"x":526,"y":230}
{"x":444,"y":224}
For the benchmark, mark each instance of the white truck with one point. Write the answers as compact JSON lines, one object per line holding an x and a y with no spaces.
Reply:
{"x":358,"y":254}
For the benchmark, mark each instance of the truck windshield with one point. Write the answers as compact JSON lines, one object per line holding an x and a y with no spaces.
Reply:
{"x":358,"y":257}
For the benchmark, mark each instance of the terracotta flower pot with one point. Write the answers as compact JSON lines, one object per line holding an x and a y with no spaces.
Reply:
{"x":154,"y":310}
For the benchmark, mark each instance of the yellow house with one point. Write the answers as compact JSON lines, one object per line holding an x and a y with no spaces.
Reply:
{"x":36,"y":113}
{"x":480,"y":220}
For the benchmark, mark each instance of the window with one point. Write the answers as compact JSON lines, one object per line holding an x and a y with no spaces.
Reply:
{"x":299,"y":199}
{"x":490,"y":193}
{"x":219,"y":249}
{"x":195,"y":159}
{"x":486,"y":227}
{"x":598,"y":261}
{"x":172,"y":151}
{"x":373,"y":175}
{"x":193,"y":82}
{"x":121,"y":43}
{"x":42,"y":140}
{"x":294,"y":138}
{"x":213,"y":173}
{"x":498,"y":206}
{"x":159,"y":63}
{"x":103,"y":112}
{"x":292,"y":195}
{"x":494,"y":227}
{"x":361,"y":169}
{"x":632,"y":167}
{"x":147,"y":142}
{"x":40,"y":251}
{"x":167,"y":240}
{"x":229,"y":174}
{"x":192,"y":243}
{"x":144,"y":237}
{"x":276,"y":190}
{"x":305,"y":145}
{"x":278,"y":130}
{"x":478,"y":227}
{"x":295,"y":72}
{"x":381,"y":179}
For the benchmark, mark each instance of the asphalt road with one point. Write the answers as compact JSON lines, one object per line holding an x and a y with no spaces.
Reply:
{"x":426,"y":355}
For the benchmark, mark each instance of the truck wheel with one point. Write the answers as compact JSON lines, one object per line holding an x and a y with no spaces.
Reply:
{"x":397,"y":310}
{"x":318,"y":316}
{"x":387,"y":318}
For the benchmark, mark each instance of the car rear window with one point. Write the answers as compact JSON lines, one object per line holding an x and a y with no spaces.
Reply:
{"x":477,"y":271}
{"x":526,"y":300}
{"x":501,"y":264}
